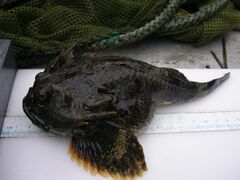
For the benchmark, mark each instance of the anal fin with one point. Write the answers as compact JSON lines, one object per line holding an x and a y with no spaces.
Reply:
{"x":109,"y":151}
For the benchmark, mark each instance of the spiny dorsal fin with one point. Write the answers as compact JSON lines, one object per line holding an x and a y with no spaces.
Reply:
{"x":62,"y":60}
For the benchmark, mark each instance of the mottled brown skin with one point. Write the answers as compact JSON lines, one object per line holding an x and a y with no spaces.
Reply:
{"x":103,"y":102}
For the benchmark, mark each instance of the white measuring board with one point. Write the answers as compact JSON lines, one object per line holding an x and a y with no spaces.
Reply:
{"x":161,"y":123}
{"x":219,"y":110}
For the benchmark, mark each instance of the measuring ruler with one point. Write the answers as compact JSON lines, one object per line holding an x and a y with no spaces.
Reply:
{"x":161,"y":123}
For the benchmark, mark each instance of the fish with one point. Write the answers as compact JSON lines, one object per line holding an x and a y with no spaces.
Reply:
{"x":104,"y":103}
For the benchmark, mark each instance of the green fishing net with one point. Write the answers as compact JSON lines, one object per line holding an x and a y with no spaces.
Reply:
{"x":42,"y":28}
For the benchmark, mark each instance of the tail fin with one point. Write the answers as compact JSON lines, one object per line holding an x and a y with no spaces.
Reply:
{"x":179,"y":89}
{"x":208,"y":87}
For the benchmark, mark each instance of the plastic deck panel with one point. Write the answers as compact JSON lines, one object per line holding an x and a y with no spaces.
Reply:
{"x":7,"y":76}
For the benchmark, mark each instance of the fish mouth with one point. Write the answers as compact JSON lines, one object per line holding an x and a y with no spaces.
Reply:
{"x":28,"y":108}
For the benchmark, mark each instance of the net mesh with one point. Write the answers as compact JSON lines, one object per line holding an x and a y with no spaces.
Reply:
{"x":227,"y":19}
{"x":37,"y":27}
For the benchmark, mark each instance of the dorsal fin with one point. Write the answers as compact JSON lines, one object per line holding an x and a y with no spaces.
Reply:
{"x":62,"y":60}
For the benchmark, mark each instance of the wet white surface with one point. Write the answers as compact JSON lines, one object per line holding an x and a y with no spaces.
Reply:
{"x":181,"y":156}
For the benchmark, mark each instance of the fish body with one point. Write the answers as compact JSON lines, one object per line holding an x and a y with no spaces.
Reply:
{"x":103,"y":103}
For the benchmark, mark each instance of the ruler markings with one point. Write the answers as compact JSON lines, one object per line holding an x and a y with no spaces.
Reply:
{"x":161,"y":123}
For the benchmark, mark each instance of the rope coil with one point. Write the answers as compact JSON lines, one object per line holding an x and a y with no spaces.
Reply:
{"x":159,"y":22}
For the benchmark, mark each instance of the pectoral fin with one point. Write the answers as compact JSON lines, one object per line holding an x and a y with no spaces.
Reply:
{"x":110,"y":150}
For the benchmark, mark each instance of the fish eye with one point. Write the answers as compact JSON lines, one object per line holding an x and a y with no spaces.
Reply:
{"x":43,"y":97}
{"x":42,"y":94}
{"x":68,"y":99}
